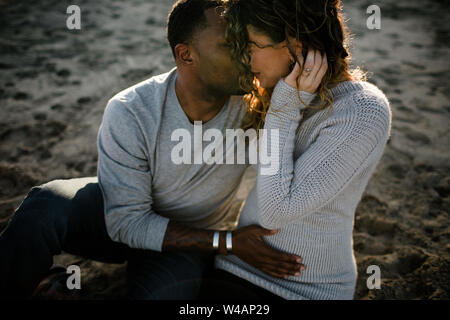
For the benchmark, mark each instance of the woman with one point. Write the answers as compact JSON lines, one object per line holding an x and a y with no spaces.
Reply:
{"x":333,"y":127}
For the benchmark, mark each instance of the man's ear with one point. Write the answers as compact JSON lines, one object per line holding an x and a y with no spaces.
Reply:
{"x":183,"y":54}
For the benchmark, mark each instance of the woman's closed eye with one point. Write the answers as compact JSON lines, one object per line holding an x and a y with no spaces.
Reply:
{"x":254,"y":47}
{"x":252,"y":44}
{"x":259,"y":46}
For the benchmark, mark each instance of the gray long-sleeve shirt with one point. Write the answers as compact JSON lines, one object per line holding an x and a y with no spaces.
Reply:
{"x":142,"y":186}
{"x":325,"y":165}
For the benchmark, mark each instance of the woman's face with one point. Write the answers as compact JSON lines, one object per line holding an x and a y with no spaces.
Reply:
{"x":269,"y":61}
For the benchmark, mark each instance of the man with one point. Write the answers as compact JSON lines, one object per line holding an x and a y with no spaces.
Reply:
{"x":145,"y":209}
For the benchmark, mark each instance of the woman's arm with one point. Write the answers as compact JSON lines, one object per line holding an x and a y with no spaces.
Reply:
{"x":351,"y":137}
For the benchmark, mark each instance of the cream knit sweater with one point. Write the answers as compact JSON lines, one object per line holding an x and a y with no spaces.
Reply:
{"x":326,"y":161}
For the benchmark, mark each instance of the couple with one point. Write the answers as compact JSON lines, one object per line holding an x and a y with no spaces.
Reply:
{"x":263,"y":64}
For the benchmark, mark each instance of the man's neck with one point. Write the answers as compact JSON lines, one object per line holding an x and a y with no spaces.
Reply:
{"x":197,"y":103}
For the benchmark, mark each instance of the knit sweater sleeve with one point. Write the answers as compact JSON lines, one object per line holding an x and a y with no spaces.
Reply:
{"x":343,"y":146}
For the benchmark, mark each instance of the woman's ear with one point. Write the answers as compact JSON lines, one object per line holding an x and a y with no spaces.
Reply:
{"x":295,"y":46}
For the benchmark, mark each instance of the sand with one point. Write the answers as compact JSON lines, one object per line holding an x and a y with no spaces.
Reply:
{"x":54,"y":85}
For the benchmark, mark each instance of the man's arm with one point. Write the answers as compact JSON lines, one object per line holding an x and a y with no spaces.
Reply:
{"x":125,"y":180}
{"x":179,"y":237}
{"x":348,"y":140}
{"x":248,"y":245}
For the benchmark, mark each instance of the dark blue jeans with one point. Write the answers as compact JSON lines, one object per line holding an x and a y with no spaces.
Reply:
{"x":67,"y":215}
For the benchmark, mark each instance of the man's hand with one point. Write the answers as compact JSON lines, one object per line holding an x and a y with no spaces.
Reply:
{"x":249,"y":246}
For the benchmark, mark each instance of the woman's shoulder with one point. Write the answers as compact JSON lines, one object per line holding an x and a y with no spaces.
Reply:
{"x":361,"y":105}
{"x":361,"y":99}
{"x":363,"y":95}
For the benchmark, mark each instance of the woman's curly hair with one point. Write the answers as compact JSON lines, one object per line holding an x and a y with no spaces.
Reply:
{"x":317,"y":24}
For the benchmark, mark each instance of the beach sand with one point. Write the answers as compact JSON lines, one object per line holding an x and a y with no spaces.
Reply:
{"x":55,"y":82}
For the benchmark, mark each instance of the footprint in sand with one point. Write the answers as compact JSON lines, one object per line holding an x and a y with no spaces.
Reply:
{"x":398,"y":171}
{"x":57,"y":107}
{"x":40,"y":116}
{"x":84,"y":100}
{"x":418,"y":137}
{"x":63,"y":73}
{"x":21,"y":96}
{"x":15,"y":180}
{"x":364,"y":243}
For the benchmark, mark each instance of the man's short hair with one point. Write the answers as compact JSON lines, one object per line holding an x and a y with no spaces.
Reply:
{"x":185,"y":18}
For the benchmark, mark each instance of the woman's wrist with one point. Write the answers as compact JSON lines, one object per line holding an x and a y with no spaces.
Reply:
{"x":306,"y":96}
{"x":286,"y":103}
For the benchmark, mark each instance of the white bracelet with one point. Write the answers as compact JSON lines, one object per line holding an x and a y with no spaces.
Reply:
{"x":229,"y":242}
{"x":216,"y":240}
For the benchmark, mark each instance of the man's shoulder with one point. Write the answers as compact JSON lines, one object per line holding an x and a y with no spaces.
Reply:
{"x":139,"y":107}
{"x":147,"y":95}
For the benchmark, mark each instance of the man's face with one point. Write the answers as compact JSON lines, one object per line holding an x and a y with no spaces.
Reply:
{"x":214,"y":66}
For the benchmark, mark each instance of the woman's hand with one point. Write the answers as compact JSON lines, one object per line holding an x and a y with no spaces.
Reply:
{"x":314,"y":69}
{"x":249,"y":246}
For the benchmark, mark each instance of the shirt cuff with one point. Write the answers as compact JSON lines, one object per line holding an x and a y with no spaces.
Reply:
{"x":285,"y":100}
{"x":156,"y":232}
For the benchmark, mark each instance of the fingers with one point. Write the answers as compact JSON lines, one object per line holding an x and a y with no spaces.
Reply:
{"x":315,"y":68}
{"x":309,"y":62}
{"x":250,"y":246}
{"x":274,"y":254}
{"x":317,"y":63}
{"x":314,"y":61}
{"x":286,"y":269}
{"x":280,"y":271}
{"x":284,"y":263}
{"x":266,"y":232}
{"x":274,"y":273}
{"x":271,"y":272}
{"x":281,"y":257}
{"x":295,"y":72}
{"x":259,"y":231}
{"x":291,"y":79}
{"x":322,"y":69}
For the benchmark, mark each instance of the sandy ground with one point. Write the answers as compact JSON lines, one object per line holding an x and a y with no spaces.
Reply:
{"x":54,"y":84}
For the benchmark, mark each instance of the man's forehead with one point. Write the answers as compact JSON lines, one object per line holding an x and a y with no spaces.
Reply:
{"x":214,"y":19}
{"x":214,"y":31}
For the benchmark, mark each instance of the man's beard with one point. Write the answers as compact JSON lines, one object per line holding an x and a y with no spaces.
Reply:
{"x":226,"y":90}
